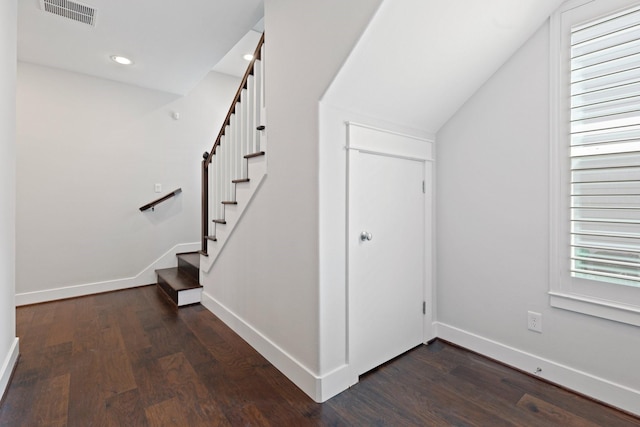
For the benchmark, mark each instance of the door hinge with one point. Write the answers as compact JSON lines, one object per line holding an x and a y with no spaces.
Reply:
{"x":423,"y":187}
{"x":424,"y":307}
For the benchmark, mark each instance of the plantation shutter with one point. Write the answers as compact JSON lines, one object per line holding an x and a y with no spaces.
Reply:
{"x":605,"y":149}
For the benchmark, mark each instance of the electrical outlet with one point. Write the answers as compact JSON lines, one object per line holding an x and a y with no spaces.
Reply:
{"x":534,"y":321}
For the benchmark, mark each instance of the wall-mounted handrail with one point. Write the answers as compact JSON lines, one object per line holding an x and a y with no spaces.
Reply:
{"x":152,"y":205}
{"x":256,"y":56}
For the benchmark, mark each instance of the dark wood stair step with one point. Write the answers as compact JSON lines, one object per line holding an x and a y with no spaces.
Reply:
{"x":174,"y":281}
{"x":212,"y":238}
{"x":258,"y":154}
{"x":238,"y":181}
{"x":230,"y":202}
{"x":219,"y":221}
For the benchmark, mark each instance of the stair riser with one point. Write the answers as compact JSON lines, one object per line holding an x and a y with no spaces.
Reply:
{"x":190,"y":296}
{"x":180,"y":298}
{"x":171,"y":293}
{"x":192,"y":270}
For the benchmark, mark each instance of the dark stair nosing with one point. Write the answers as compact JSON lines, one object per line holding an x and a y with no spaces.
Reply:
{"x":212,"y":238}
{"x":258,"y":154}
{"x":230,"y":202}
{"x":238,"y":181}
{"x":219,"y":221}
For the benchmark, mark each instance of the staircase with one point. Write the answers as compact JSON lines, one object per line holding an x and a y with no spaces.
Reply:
{"x":181,"y":284}
{"x":236,"y":165}
{"x":232,"y":172}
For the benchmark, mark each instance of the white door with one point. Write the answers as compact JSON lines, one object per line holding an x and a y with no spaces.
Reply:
{"x":386,"y":257}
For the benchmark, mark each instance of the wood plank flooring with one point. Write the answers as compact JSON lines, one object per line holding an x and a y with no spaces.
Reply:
{"x":128,"y":358}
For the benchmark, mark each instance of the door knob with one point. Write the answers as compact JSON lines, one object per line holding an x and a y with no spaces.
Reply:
{"x":365,"y":235}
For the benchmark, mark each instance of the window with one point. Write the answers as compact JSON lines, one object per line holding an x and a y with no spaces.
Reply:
{"x":595,"y":226}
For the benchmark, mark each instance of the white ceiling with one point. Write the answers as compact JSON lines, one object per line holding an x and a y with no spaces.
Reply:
{"x":420,"y":60}
{"x":233,"y":62}
{"x":173,"y":44}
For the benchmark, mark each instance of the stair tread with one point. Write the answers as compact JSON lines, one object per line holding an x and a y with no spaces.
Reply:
{"x":212,"y":238}
{"x":229,"y":202}
{"x":238,"y":181}
{"x":219,"y":221}
{"x":258,"y":154}
{"x":177,"y":279}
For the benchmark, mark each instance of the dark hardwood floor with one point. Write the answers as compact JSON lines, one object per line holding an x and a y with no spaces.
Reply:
{"x":129,"y":359}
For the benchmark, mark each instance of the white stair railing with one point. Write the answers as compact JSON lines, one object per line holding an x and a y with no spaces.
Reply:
{"x":240,"y":138}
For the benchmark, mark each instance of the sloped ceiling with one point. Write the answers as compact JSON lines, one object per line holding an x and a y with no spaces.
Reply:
{"x":173,"y":44}
{"x":420,"y":60}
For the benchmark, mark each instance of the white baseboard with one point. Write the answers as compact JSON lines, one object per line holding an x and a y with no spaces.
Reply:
{"x":318,"y":388}
{"x":145,"y":277}
{"x":614,"y":394}
{"x":7,"y":366}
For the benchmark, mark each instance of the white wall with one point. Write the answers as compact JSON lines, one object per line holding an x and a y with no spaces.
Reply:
{"x":8,"y":340}
{"x":267,"y":275}
{"x":493,"y":240}
{"x":89,"y":153}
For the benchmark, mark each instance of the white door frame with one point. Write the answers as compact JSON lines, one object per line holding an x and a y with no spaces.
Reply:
{"x":368,"y":139}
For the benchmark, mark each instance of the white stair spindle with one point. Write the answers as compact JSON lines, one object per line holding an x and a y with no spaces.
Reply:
{"x":229,"y":166}
{"x":219,"y":177}
{"x":263,"y":105}
{"x":236,"y":149}
{"x":225,"y":166}
{"x":243,"y":132}
{"x":232,"y":144}
{"x":221,"y":167}
{"x":237,"y":139}
{"x":257,"y":104}
{"x":251,"y":121}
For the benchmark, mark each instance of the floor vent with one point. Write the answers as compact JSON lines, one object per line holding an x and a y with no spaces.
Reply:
{"x":71,"y":10}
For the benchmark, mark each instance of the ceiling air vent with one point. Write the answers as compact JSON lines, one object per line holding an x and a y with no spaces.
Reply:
{"x":70,"y":10}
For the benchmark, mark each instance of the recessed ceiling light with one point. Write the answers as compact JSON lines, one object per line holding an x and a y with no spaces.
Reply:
{"x":121,"y":60}
{"x":248,"y":57}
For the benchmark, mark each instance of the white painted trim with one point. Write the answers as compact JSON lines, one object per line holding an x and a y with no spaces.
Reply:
{"x":382,"y":141}
{"x":611,"y":310}
{"x":614,"y":394}
{"x":189,"y":296}
{"x":319,"y":388}
{"x":145,"y":277}
{"x":9,"y":363}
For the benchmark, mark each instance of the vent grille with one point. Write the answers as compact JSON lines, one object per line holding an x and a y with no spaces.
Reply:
{"x":71,"y":10}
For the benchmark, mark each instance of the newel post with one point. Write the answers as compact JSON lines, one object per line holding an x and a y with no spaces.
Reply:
{"x":205,"y":201}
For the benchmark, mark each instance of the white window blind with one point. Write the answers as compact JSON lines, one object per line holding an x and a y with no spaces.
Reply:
{"x":605,"y":149}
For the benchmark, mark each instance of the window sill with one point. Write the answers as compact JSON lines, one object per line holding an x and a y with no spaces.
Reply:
{"x":594,"y":307}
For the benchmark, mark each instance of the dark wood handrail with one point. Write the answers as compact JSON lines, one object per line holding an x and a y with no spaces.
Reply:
{"x":256,"y":55}
{"x":208,"y":157}
{"x":152,"y":205}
